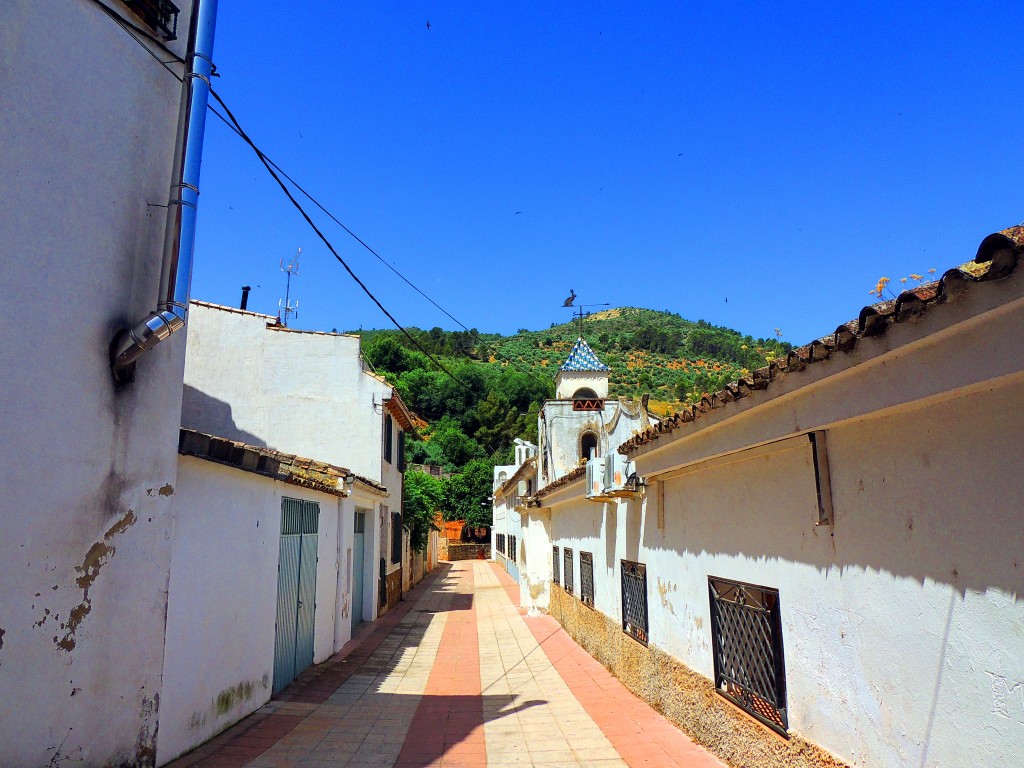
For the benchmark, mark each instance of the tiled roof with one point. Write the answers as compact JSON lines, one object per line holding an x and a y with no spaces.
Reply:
{"x":582,"y":358}
{"x":526,"y":466}
{"x":286,"y":467}
{"x":234,"y":310}
{"x":997,"y":257}
{"x":564,"y":480}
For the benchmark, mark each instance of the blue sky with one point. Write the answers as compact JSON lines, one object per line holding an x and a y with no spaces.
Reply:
{"x":783,"y":156}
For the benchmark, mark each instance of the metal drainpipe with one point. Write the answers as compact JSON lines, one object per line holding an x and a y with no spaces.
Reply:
{"x":179,"y":235}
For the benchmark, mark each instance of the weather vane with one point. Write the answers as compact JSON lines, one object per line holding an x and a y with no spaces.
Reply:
{"x":578,"y":312}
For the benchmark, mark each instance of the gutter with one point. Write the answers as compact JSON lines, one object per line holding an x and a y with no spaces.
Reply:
{"x":179,"y":234}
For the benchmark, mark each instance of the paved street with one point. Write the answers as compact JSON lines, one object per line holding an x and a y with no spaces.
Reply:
{"x":455,"y":676}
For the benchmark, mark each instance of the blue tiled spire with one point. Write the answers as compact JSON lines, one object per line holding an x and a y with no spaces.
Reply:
{"x":582,"y":358}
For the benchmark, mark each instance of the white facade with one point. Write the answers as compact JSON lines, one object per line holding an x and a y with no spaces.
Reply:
{"x":219,"y":662}
{"x":302,"y":392}
{"x":901,"y":620}
{"x":88,"y":470}
{"x":506,"y":510}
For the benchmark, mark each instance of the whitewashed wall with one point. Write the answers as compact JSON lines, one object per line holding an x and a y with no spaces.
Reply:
{"x":298,"y":392}
{"x":88,"y":471}
{"x":560,"y":427}
{"x":902,"y":622}
{"x":219,"y":660}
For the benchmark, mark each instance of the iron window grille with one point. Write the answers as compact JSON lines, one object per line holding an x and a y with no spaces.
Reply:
{"x":555,"y":566}
{"x":587,"y":578}
{"x":159,"y":15}
{"x":499,"y":540}
{"x":568,"y":577}
{"x":634,"y":600}
{"x":512,"y":549}
{"x":746,"y":632}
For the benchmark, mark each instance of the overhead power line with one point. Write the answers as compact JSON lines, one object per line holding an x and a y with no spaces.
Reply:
{"x":318,"y":204}
{"x":141,"y":36}
{"x":323,"y":238}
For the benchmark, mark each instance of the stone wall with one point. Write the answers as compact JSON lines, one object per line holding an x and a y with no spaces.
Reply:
{"x":686,"y":698}
{"x":468,"y":551}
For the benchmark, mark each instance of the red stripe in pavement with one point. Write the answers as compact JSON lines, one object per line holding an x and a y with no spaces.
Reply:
{"x":448,"y":727}
{"x":252,"y":736}
{"x":640,"y":735}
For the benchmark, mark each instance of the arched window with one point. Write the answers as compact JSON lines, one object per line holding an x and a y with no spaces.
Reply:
{"x":588,"y":446}
{"x":584,"y":393}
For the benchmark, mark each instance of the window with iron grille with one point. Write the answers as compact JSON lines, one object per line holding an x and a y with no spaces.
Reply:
{"x":160,"y":15}
{"x":587,"y":578}
{"x":634,"y":600}
{"x":555,"y":565}
{"x":513,"y":548}
{"x":746,"y":635}
{"x":567,"y":570}
{"x":499,"y":540}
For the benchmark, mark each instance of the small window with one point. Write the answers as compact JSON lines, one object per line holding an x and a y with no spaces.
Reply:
{"x":588,"y":445}
{"x":159,"y":15}
{"x":634,"y":600}
{"x":746,"y":637}
{"x":388,"y":432}
{"x":396,"y":537}
{"x":587,"y":578}
{"x":555,"y":565}
{"x":401,"y":451}
{"x":568,"y":574}
{"x":513,"y":547}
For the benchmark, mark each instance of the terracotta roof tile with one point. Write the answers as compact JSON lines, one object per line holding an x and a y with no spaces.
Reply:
{"x":286,"y":467}
{"x":564,"y":480}
{"x":998,"y":256}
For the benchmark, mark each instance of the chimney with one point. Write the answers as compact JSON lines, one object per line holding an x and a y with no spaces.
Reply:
{"x":245,"y":296}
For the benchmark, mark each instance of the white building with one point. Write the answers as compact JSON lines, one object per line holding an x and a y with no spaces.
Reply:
{"x":835,"y":543}
{"x":513,"y":483}
{"x":88,"y":464}
{"x":266,"y":579}
{"x":580,"y":423}
{"x":248,"y":378}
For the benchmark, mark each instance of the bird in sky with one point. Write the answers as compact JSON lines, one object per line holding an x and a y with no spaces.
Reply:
{"x":428,"y":25}
{"x":572,"y":297}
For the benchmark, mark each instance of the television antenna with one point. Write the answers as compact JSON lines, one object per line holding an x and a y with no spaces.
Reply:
{"x":579,"y":314}
{"x":286,"y":306}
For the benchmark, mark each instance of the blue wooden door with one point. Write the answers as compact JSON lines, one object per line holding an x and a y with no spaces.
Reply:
{"x":358,"y":562}
{"x":296,"y":590}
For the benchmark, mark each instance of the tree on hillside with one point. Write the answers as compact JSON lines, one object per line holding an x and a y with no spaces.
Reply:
{"x":466,"y":496}
{"x":422,"y":501}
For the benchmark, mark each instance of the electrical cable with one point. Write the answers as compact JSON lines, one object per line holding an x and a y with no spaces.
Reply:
{"x":136,"y":32}
{"x":315,"y":202}
{"x":476,"y":336}
{"x":330,"y":247}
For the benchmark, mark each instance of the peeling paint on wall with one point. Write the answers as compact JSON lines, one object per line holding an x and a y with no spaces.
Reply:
{"x":664,"y":588}
{"x":164,"y":490}
{"x":97,"y":556}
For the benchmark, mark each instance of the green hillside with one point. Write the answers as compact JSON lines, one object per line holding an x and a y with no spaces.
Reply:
{"x":493,"y":386}
{"x":652,"y":352}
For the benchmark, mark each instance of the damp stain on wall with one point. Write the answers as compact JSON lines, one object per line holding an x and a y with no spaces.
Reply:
{"x":97,"y":556}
